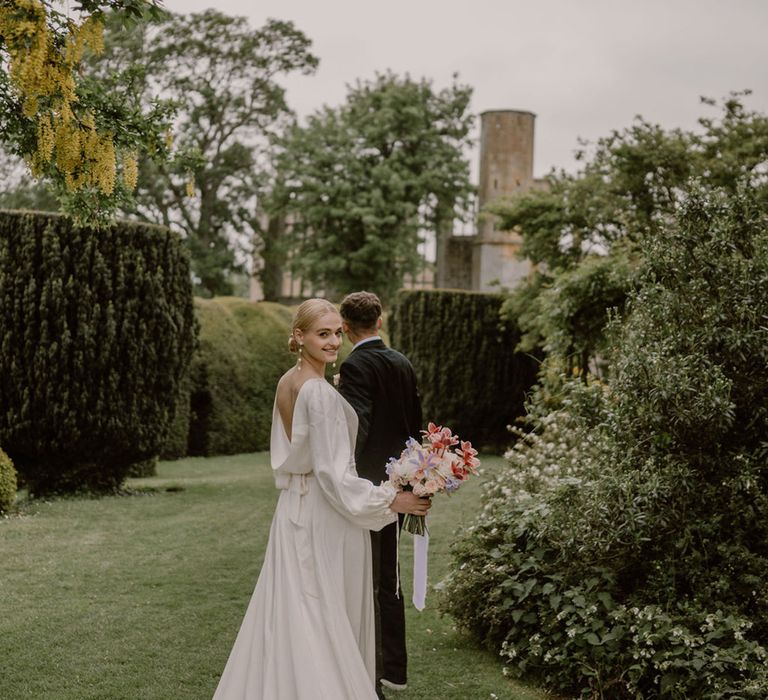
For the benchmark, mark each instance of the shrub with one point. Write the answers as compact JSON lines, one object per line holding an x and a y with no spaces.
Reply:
{"x":470,"y":376}
{"x":243,"y":352}
{"x":175,"y":444}
{"x":637,"y":569}
{"x":7,"y":483}
{"x":96,"y":331}
{"x":140,"y":470}
{"x":567,"y":318}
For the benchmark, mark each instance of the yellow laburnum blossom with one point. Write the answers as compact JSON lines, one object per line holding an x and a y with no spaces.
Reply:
{"x":28,"y":43}
{"x":30,"y":106}
{"x":106,"y":164}
{"x":131,"y":170}
{"x":34,"y":165}
{"x":45,"y":138}
{"x":89,"y":34}
{"x":44,"y":76}
{"x":68,"y":145}
{"x":88,"y":120}
{"x":190,"y":187}
{"x":92,"y":31}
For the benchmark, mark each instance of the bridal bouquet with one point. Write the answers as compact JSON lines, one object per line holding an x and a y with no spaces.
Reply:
{"x":440,"y":462}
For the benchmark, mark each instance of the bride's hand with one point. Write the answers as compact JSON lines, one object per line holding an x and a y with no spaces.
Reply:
{"x":406,"y":502}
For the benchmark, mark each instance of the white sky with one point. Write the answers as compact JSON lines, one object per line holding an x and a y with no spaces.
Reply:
{"x":584,"y":67}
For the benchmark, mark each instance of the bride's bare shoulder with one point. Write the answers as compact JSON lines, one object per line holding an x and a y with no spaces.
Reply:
{"x":285,"y":398}
{"x":290,"y":384}
{"x":288,"y":387}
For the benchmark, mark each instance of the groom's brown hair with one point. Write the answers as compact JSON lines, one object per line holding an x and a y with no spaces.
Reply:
{"x":360,"y":311}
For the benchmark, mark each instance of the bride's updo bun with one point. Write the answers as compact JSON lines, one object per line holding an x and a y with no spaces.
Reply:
{"x":307,"y":313}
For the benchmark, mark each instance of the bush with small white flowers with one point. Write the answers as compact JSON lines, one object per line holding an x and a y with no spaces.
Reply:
{"x":624,"y":552}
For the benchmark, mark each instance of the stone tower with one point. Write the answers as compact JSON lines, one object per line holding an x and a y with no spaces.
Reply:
{"x":506,"y":168}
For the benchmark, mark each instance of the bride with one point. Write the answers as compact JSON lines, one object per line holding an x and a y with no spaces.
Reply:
{"x":308,"y":632}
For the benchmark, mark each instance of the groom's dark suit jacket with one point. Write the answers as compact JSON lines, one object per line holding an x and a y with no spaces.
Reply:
{"x":380,"y":384}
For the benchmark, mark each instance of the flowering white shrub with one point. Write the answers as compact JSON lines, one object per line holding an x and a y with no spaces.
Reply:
{"x":559,"y":448}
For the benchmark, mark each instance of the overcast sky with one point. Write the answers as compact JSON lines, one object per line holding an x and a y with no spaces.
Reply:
{"x":584,"y":67}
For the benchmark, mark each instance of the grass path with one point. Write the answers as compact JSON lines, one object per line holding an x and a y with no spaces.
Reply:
{"x":140,"y":597}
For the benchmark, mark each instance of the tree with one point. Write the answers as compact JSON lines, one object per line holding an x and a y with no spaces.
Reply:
{"x":70,"y":129}
{"x":622,"y":553}
{"x":583,"y":233}
{"x":222,"y":77}
{"x":362,"y":180}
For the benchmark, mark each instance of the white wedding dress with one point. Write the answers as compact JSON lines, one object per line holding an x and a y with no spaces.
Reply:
{"x":308,"y":632}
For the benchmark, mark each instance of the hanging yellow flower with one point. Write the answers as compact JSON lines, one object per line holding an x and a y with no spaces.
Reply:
{"x":130,"y":170}
{"x":44,"y":76}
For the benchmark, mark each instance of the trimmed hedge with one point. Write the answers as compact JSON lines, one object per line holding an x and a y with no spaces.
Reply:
{"x":177,"y":436}
{"x":470,"y":377}
{"x":96,"y":330}
{"x":242,"y":354}
{"x":8,"y":483}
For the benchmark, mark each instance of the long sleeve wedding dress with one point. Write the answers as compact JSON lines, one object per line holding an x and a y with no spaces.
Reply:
{"x":308,"y":632}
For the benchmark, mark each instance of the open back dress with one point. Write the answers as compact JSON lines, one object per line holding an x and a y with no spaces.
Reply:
{"x":308,"y":632}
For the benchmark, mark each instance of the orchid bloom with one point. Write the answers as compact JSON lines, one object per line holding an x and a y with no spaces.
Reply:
{"x":467,"y":453}
{"x":439,"y":437}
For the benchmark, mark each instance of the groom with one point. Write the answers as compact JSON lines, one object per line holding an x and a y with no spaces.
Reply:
{"x":381,"y":386}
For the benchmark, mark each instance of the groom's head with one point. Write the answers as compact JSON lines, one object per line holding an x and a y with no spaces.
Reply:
{"x":361,"y":314}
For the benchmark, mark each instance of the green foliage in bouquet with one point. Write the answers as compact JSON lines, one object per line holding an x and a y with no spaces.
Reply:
{"x":8,"y":483}
{"x":243,"y":352}
{"x":96,"y":331}
{"x":470,"y":375}
{"x":624,"y":552}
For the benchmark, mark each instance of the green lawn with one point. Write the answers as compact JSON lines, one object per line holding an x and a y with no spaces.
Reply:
{"x":140,"y":597}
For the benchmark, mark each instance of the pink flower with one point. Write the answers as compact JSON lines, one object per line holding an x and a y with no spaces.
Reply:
{"x":429,"y":467}
{"x":459,"y":471}
{"x":467,"y":454}
{"x":439,"y":437}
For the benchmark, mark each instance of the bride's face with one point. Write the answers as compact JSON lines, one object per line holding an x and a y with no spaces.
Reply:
{"x":323,"y":340}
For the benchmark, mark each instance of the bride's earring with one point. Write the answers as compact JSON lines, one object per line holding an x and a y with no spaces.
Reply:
{"x":333,"y":365}
{"x":301,"y":357}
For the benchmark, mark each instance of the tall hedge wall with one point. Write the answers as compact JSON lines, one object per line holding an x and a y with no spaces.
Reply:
{"x":243,"y":352}
{"x":96,"y":330}
{"x":470,"y":376}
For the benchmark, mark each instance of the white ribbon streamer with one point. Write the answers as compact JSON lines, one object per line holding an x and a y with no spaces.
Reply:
{"x":420,"y":550}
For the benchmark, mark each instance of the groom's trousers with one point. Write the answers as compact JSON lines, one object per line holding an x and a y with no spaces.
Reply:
{"x":391,"y":656}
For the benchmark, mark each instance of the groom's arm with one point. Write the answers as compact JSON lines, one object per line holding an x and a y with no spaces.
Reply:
{"x":355,"y":388}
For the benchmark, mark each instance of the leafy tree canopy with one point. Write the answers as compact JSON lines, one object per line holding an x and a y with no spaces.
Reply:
{"x":223,"y":79}
{"x":360,"y":181}
{"x":583,"y":232}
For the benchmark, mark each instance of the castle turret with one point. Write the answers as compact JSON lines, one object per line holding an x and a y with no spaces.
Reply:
{"x":506,"y":168}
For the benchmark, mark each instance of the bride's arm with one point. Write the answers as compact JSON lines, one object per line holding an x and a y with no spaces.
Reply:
{"x":357,"y":499}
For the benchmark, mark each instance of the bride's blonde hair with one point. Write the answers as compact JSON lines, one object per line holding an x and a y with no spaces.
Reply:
{"x":307,"y":313}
